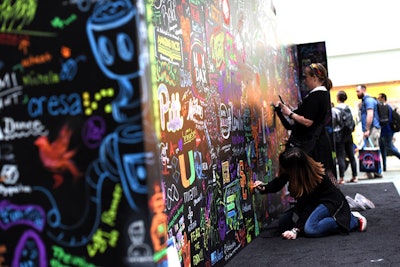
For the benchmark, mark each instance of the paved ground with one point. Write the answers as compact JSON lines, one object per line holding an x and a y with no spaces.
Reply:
{"x":378,"y":246}
{"x":391,"y":175}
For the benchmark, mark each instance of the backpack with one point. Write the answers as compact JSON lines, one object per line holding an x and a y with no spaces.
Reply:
{"x":383,"y":112}
{"x":346,"y":121}
{"x":395,"y":123}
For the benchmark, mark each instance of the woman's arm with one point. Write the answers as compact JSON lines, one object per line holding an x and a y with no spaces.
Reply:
{"x":285,"y":110}
{"x":282,"y":118}
{"x":274,"y":186}
{"x":301,"y":119}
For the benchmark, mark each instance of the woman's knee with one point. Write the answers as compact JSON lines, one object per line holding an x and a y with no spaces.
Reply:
{"x":311,"y":230}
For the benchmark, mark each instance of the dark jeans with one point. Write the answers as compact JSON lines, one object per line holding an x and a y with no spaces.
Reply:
{"x":344,"y":149}
{"x":386,"y":146}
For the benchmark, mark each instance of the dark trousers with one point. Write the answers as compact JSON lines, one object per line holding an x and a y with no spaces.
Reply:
{"x":346,"y":149}
{"x":386,"y":146}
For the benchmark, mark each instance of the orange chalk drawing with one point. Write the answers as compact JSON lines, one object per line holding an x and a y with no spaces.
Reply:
{"x":56,"y":156}
{"x":65,"y":52}
{"x":158,"y":228}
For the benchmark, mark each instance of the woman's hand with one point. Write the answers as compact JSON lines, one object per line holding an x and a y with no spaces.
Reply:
{"x":290,"y":234}
{"x":285,"y":109}
{"x":260,"y":186}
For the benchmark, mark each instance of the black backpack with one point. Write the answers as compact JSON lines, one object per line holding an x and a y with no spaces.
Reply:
{"x":395,"y":123}
{"x":346,"y":120}
{"x":383,"y":112}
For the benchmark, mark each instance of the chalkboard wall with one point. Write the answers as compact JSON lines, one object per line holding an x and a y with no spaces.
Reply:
{"x":73,"y":161}
{"x":217,"y":67}
{"x":131,"y":132}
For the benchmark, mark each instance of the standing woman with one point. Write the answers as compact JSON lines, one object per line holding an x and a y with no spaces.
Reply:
{"x":307,"y":122}
{"x":344,"y":144}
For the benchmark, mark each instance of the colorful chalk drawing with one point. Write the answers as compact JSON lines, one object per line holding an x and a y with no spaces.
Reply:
{"x":144,"y":126}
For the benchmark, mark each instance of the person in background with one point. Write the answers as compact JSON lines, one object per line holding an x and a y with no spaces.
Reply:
{"x":307,"y":122}
{"x":386,"y":138}
{"x":343,"y":140}
{"x":320,"y":209}
{"x":369,"y":122}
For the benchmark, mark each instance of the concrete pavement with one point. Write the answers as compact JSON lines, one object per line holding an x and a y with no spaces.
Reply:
{"x":391,"y":175}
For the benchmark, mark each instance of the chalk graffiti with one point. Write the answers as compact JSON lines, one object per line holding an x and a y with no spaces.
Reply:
{"x":165,"y":10}
{"x":11,"y":129}
{"x":101,"y":241}
{"x":172,"y":108}
{"x":111,"y":37}
{"x":186,"y":182}
{"x":9,"y":174}
{"x":10,"y":90}
{"x":167,"y":73}
{"x":92,"y":104}
{"x":35,"y":60}
{"x":138,"y":250}
{"x":56,"y":156}
{"x":55,"y":105}
{"x":93,"y":131}
{"x":172,"y":196}
{"x":169,"y":48}
{"x":30,"y":250}
{"x":62,"y":258}
{"x":158,"y":227}
{"x":17,"y":14}
{"x":12,"y":215}
{"x":108,"y":217}
{"x":70,"y":68}
{"x":35,"y":79}
{"x":200,"y":62}
{"x":57,"y":22}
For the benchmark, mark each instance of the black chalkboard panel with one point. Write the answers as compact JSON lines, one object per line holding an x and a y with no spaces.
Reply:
{"x":72,"y":163}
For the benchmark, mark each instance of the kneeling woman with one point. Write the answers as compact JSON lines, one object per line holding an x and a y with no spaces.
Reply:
{"x":321,"y":209}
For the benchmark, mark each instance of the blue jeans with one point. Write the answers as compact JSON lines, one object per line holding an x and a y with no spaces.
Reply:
{"x":321,"y":223}
{"x":386,"y":146}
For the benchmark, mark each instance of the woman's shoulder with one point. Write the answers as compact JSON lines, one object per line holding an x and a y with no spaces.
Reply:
{"x":319,"y":98}
{"x":319,"y":92}
{"x":326,"y":181}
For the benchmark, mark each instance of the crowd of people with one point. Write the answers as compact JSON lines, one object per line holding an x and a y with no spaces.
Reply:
{"x":306,"y":165}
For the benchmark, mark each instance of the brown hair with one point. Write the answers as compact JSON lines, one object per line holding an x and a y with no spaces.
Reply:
{"x":304,"y":173}
{"x":318,"y":70}
{"x":342,"y":96}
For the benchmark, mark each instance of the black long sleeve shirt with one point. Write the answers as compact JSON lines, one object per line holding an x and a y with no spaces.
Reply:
{"x":325,"y":193}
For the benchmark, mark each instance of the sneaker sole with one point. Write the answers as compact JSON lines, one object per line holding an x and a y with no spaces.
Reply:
{"x":365,"y":201}
{"x":354,"y":205}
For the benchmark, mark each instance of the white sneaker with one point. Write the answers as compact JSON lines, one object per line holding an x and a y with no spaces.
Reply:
{"x":355,"y":205}
{"x":364,"y":201}
{"x":362,"y":221}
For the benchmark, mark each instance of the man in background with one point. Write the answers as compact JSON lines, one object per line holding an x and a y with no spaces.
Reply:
{"x":386,"y":138}
{"x":370,"y":123}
